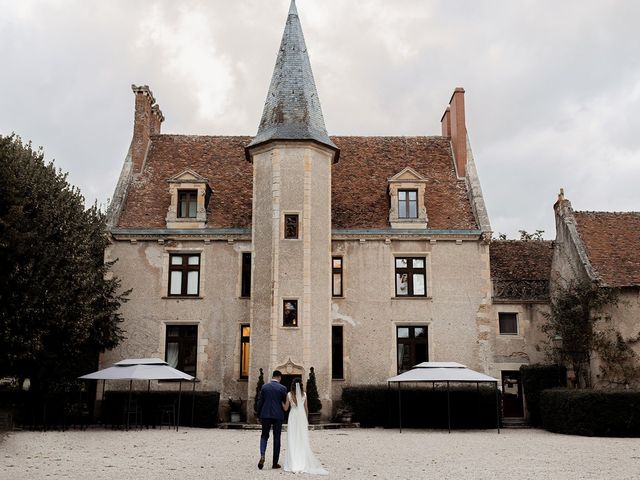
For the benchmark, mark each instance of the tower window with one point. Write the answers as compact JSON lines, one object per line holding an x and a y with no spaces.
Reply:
{"x":291,"y":226}
{"x":290,"y":313}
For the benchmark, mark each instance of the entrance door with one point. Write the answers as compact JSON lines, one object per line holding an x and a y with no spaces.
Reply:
{"x":288,"y":379}
{"x":512,"y":394}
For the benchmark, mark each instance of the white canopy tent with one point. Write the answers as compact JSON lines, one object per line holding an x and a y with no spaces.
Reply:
{"x":442,"y":372}
{"x":142,"y":369}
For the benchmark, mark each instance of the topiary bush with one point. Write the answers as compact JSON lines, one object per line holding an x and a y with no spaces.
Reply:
{"x":314,"y":404}
{"x":423,"y":407}
{"x":536,"y":378}
{"x":599,"y":413}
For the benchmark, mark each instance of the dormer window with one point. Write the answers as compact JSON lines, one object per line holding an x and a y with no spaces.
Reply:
{"x":407,"y":191}
{"x":190,"y":194}
{"x":407,"y":203}
{"x":187,"y":203}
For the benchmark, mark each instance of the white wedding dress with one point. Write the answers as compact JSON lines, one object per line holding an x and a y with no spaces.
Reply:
{"x":298,"y":456}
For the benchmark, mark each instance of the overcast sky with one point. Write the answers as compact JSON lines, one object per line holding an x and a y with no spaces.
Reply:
{"x":552,"y":87}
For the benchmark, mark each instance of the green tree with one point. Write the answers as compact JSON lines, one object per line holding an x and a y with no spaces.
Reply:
{"x":59,"y":303}
{"x":313,"y":399}
{"x":575,"y":309}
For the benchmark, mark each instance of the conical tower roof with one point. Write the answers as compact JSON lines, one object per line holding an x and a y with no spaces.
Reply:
{"x":292,"y":109}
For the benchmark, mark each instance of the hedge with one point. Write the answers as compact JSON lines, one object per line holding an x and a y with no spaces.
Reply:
{"x":426,"y":407}
{"x":205,"y":407}
{"x":31,"y":409}
{"x":591,"y":412}
{"x":535,"y":379}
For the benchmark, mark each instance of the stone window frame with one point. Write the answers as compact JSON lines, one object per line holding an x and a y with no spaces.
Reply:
{"x":342,"y":351}
{"x":298,"y":312}
{"x":428,"y":275}
{"x":241,"y":290}
{"x":517,"y":332}
{"x":407,"y":179}
{"x":283,"y":226}
{"x":188,"y":180}
{"x":166,"y":258}
{"x":167,"y":325}
{"x":410,"y":324}
{"x":335,"y":271}
{"x":245,"y":340}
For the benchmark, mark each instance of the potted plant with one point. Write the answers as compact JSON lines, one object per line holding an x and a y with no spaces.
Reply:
{"x":344,"y":414}
{"x":313,"y":399}
{"x":235,"y":407}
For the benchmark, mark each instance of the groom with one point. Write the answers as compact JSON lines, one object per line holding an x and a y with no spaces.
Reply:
{"x":271,"y":414}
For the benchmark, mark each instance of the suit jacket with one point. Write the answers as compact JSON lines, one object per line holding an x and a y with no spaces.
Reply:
{"x":270,"y":400}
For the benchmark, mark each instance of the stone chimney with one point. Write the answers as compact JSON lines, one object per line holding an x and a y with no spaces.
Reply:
{"x":147,"y":120}
{"x":454,"y":126}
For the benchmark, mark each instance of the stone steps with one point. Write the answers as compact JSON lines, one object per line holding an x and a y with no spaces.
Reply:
{"x":256,"y":426}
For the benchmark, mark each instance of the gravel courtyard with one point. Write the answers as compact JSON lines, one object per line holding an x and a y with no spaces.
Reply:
{"x":352,"y":454}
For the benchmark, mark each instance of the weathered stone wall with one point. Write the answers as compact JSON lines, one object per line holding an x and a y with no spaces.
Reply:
{"x":218,"y":311}
{"x":455,"y":307}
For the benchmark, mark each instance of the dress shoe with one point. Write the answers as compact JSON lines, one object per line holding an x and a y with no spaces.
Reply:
{"x":275,"y":465}
{"x":261,"y":463}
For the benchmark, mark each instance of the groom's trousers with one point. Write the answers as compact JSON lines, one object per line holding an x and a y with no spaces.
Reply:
{"x":267,"y":424}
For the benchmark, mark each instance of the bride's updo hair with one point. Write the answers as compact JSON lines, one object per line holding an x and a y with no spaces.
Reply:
{"x":294,"y":383}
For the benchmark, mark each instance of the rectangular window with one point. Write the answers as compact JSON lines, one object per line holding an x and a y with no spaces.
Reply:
{"x":411,"y":277}
{"x":336,"y":282}
{"x":187,"y":203}
{"x":245,"y":289}
{"x":245,"y":334}
{"x":291,"y":225}
{"x":337,"y":353}
{"x":182,"y":347}
{"x":184,"y":275}
{"x":412,"y":346}
{"x":508,"y":323}
{"x":407,"y":203}
{"x":290,"y":313}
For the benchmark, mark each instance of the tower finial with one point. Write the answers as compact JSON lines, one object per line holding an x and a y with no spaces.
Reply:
{"x":292,"y":8}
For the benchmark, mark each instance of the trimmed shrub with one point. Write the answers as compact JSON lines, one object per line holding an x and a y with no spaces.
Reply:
{"x":31,"y":409}
{"x":423,"y":407}
{"x":538,"y":377}
{"x":204,"y":404}
{"x":599,"y":413}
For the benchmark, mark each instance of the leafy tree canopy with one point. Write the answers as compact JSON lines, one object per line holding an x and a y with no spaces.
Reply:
{"x":58,"y":301}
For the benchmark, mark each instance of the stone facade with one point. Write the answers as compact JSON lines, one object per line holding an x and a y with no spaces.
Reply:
{"x":341,"y":193}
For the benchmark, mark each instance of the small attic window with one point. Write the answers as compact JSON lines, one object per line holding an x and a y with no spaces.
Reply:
{"x":190,"y":194}
{"x":407,"y":194}
{"x":187,"y":203}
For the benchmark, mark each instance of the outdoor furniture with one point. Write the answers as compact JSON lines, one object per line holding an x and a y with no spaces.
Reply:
{"x":142,"y":369}
{"x":167,"y":415}
{"x":442,"y":372}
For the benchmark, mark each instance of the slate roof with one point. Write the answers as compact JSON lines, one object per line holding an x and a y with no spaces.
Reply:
{"x":521,"y":260}
{"x":612,"y":242}
{"x":292,"y":109}
{"x":359,"y":190}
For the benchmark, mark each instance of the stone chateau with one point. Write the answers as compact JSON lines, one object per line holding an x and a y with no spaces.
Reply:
{"x":358,"y":256}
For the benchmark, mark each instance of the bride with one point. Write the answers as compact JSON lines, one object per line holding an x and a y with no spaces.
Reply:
{"x":298,"y":456}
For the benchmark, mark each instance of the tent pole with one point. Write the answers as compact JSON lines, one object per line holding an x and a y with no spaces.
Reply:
{"x":497,"y":408}
{"x":399,"y":406}
{"x":179,"y":398}
{"x":193,"y":400}
{"x":448,"y":407}
{"x":129,"y":403}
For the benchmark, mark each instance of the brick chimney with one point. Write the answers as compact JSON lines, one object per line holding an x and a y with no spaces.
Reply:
{"x":454,"y":126}
{"x":147,"y":121}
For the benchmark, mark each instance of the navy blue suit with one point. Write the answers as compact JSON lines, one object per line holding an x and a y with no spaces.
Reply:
{"x":271,"y":414}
